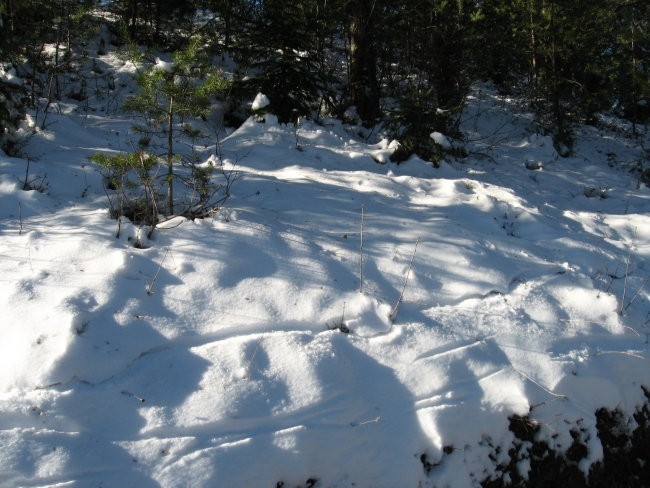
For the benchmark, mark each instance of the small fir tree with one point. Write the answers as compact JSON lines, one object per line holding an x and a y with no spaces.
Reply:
{"x":170,"y":92}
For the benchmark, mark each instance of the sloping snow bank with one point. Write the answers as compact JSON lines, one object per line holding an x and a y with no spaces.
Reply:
{"x":239,"y":351}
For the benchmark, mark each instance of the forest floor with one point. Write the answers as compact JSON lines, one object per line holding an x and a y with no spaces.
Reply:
{"x":292,"y":339}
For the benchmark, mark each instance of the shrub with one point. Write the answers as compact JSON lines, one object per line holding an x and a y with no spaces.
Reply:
{"x":129,"y":176}
{"x":415,"y":118}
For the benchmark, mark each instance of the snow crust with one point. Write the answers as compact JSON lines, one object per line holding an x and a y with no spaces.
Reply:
{"x":218,"y":356}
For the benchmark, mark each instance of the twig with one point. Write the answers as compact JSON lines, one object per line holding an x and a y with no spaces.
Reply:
{"x":131,"y":395}
{"x":342,"y":327}
{"x":340,"y":324}
{"x":25,"y":184}
{"x":636,"y":294}
{"x":393,"y":314}
{"x":248,"y":372}
{"x":632,"y":330}
{"x":361,"y":255}
{"x":612,"y":277}
{"x":627,"y":267}
{"x":376,"y":420}
{"x":602,"y":277}
{"x":547,"y":390}
{"x":29,"y":256}
{"x":624,"y":353}
{"x":20,"y":217}
{"x":152,"y":281}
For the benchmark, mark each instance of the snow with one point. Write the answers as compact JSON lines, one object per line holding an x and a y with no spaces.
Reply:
{"x":217,"y":356}
{"x":440,"y":139}
{"x":162,"y":65}
{"x":261,"y":101}
{"x":8,"y":75}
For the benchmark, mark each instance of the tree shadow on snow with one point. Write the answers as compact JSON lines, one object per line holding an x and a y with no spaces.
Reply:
{"x":115,"y":369}
{"x":357,"y":425}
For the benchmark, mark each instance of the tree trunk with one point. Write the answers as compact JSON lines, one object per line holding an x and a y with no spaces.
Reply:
{"x":635,"y":97}
{"x":57,"y":52}
{"x":158,"y":21}
{"x":10,"y":15}
{"x":363,"y":85}
{"x":533,"y":49}
{"x":133,"y":18}
{"x":170,"y":158}
{"x":558,"y":113}
{"x":227,"y":25}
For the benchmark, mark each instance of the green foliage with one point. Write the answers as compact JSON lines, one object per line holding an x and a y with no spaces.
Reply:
{"x":170,"y":92}
{"x":413,"y":120}
{"x":163,"y":23}
{"x":129,"y":175}
{"x":431,"y":42}
{"x":570,"y":59}
{"x":118,"y":166}
{"x":281,"y":50}
{"x":573,"y":59}
{"x":12,"y":107}
{"x":631,"y":69}
{"x":43,"y":40}
{"x":503,"y":31}
{"x":181,"y":88}
{"x":290,"y":80}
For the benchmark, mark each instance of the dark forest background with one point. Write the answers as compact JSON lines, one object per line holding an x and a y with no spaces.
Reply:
{"x":407,"y":65}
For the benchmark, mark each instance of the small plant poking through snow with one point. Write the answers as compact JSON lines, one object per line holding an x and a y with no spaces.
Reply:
{"x":129,"y":176}
{"x":172,"y":91}
{"x":393,"y":313}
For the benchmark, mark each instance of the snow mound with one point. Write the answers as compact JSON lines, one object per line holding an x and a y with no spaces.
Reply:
{"x":261,"y":101}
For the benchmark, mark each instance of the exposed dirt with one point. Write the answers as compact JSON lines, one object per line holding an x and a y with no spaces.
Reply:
{"x":625,"y":463}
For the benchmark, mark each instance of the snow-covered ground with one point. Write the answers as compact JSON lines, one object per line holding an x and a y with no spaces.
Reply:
{"x":219,"y":355}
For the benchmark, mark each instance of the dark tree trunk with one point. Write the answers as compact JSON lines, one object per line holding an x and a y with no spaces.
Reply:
{"x":363,"y":85}
{"x":158,"y":21}
{"x":170,"y":157}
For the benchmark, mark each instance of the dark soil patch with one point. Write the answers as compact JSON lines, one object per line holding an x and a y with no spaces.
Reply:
{"x":626,"y":454}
